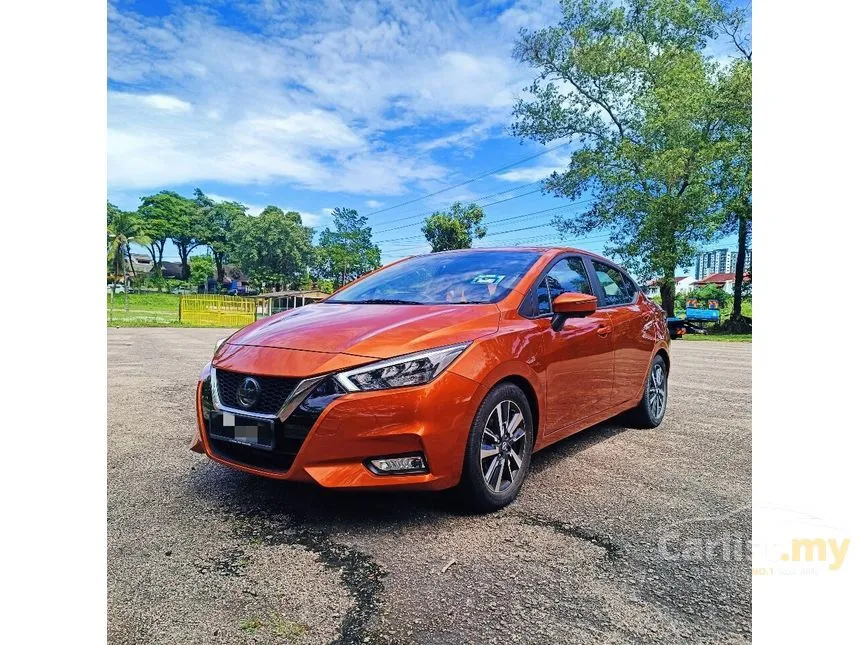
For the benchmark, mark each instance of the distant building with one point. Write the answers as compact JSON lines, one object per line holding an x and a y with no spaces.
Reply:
{"x":683,"y":283}
{"x":719,"y":261}
{"x":726,"y":281}
{"x":140,"y":264}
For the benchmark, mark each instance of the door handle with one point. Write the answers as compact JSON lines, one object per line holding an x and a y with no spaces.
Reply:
{"x":604,"y":330}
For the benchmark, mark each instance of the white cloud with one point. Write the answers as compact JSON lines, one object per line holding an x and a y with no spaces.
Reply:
{"x":535,"y":173}
{"x":308,"y":219}
{"x":373,"y":203}
{"x":558,"y":160}
{"x":164,"y":102}
{"x":316,"y":106}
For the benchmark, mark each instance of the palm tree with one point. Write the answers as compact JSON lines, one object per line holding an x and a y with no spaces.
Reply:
{"x":123,"y":228}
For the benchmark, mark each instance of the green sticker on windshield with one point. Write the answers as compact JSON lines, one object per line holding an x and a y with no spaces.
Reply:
{"x":488,"y":278}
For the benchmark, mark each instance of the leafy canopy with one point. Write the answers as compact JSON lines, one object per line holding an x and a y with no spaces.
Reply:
{"x":629,"y":83}
{"x":219,"y":223}
{"x":454,"y":228}
{"x":348,"y":251}
{"x":274,"y":249}
{"x":202,"y":268}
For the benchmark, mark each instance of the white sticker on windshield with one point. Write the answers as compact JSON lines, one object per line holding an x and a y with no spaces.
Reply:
{"x":488,"y":278}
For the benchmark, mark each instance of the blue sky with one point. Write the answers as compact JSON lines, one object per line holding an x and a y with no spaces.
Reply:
{"x":313,"y":105}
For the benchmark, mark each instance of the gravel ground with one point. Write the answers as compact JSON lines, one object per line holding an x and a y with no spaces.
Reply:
{"x":619,"y":535}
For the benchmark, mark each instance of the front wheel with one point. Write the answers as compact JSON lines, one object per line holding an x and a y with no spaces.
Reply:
{"x":651,"y":409}
{"x":499,"y":449}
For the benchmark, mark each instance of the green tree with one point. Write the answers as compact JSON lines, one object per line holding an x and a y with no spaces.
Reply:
{"x":155,"y":225}
{"x":735,"y":98}
{"x":220,"y":221}
{"x":180,"y":219}
{"x":630,"y":83}
{"x":123,"y":229}
{"x":348,"y":251}
{"x":274,"y":249}
{"x":202,"y":268}
{"x":454,"y":228}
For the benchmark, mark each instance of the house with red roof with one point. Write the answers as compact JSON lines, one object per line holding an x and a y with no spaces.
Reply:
{"x":724,"y":280}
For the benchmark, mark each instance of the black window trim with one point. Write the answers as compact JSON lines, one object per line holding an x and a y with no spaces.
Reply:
{"x":530,"y":292}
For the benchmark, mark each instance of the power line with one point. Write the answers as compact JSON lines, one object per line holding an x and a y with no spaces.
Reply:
{"x":501,"y":201}
{"x":547,"y":237}
{"x":546,"y":210}
{"x":471,"y":201}
{"x":468,"y":181}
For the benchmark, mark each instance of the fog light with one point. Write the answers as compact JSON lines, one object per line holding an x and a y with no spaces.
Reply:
{"x":398,"y":465}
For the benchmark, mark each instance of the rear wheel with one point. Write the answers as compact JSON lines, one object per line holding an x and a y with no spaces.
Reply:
{"x":651,"y":409}
{"x":499,"y":450}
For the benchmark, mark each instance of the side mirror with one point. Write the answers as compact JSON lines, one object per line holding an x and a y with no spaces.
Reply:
{"x":572,"y":305}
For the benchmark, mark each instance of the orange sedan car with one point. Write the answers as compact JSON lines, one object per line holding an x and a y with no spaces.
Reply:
{"x":440,"y":370}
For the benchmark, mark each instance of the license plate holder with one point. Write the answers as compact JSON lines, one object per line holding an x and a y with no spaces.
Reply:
{"x":246,"y":431}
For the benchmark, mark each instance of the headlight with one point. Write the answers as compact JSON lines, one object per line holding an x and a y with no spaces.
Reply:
{"x":218,"y":344}
{"x":411,"y":369}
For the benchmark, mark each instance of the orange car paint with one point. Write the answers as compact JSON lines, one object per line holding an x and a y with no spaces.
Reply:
{"x":592,"y":369}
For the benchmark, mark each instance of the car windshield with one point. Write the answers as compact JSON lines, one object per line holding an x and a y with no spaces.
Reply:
{"x":462,"y":277}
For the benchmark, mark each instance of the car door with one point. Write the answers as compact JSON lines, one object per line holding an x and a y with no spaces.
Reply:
{"x":578,"y":359}
{"x":625,"y":306}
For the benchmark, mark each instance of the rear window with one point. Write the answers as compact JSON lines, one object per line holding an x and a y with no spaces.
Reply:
{"x":618,"y":289}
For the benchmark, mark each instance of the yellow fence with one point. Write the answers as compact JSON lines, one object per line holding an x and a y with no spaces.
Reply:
{"x":217,"y":311}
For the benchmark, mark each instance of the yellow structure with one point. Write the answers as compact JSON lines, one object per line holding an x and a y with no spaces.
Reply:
{"x":217,"y":311}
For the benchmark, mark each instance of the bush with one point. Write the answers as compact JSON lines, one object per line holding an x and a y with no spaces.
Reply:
{"x":703,"y":294}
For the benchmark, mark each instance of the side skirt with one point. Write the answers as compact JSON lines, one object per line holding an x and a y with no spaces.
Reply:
{"x":587,"y":422}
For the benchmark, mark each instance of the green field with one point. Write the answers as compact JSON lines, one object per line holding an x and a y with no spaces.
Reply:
{"x":144,"y":310}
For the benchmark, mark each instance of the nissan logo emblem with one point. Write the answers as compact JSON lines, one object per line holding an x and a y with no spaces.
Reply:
{"x":248,"y":392}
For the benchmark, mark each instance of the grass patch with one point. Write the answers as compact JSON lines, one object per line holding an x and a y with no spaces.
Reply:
{"x":726,"y":338}
{"x":250,"y":625}
{"x":280,"y":627}
{"x":144,"y":310}
{"x":287,"y":628}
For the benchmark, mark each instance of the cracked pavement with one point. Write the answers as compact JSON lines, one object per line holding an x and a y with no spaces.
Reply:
{"x":619,"y":535}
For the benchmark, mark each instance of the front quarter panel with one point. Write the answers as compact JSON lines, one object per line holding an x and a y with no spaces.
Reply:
{"x":513,"y":352}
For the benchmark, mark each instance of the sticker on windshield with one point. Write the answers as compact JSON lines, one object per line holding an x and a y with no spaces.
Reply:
{"x":488,"y":278}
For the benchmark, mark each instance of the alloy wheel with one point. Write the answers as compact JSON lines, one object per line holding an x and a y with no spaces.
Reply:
{"x":657,"y":391}
{"x":503,"y":446}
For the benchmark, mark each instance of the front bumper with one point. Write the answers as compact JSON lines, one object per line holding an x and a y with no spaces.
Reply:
{"x":433,"y":419}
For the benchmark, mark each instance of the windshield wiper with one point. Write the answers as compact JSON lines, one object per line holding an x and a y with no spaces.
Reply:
{"x":385,"y":301}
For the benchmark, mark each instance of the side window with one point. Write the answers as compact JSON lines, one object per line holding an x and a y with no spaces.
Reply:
{"x":618,"y":289}
{"x":568,"y":275}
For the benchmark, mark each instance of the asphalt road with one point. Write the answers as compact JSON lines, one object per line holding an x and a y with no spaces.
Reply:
{"x":619,"y":535}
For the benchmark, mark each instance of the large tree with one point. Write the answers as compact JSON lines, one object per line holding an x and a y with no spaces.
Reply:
{"x":180,"y":218}
{"x":157,"y":229}
{"x":629,"y":83}
{"x":219,"y":223}
{"x":735,"y":184}
{"x":348,"y":251}
{"x":274,"y":249}
{"x":454,"y":228}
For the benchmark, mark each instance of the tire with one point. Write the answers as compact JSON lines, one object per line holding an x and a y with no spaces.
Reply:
{"x":490,"y":482}
{"x":655,"y":397}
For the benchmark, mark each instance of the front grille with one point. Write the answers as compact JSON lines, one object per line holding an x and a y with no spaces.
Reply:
{"x":274,"y":391}
{"x":289,"y":435}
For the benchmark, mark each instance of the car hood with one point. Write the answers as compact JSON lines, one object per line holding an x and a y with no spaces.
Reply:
{"x":373,"y":331}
